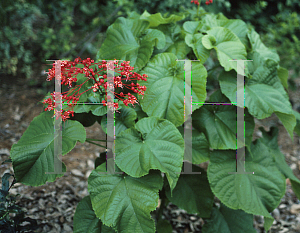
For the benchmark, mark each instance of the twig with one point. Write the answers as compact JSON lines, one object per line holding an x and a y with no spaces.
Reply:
{"x":95,"y":143}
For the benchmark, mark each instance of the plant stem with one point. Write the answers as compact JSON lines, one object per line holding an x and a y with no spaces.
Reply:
{"x":14,"y":181}
{"x":161,"y":208}
{"x":87,"y":140}
{"x":91,"y":139}
{"x":198,"y":7}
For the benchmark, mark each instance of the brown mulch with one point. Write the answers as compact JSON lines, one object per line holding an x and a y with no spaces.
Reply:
{"x":54,"y":204}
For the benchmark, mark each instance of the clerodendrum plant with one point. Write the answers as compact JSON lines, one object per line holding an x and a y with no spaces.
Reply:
{"x":150,"y":145}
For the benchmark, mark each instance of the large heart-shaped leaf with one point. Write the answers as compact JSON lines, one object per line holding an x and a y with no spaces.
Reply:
{"x":129,"y":40}
{"x":270,"y":140}
{"x":164,"y":96}
{"x":259,"y":193}
{"x":264,"y":94}
{"x":124,"y":202}
{"x":153,"y":143}
{"x":33,"y":155}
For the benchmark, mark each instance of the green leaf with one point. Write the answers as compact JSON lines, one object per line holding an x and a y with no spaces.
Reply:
{"x":208,"y":41}
{"x":192,"y":193}
{"x":5,"y":181}
{"x":174,"y":41}
{"x":33,"y":155}
{"x":157,"y":19}
{"x":164,"y":96}
{"x":164,"y":226}
{"x":172,"y":33}
{"x":157,"y":36}
{"x":264,"y":93}
{"x":97,"y":108}
{"x":297,"y":115}
{"x":297,"y":127}
{"x":192,"y":27}
{"x":283,"y":75}
{"x":238,"y":27}
{"x":85,"y":219}
{"x":270,"y":140}
{"x":228,"y":46}
{"x":3,"y":194}
{"x":209,"y":21}
{"x":124,"y":202}
{"x":180,"y":49}
{"x":219,"y":123}
{"x":128,"y":39}
{"x":259,"y":193}
{"x":259,"y":47}
{"x":227,"y":220}
{"x":199,"y":146}
{"x":123,"y":120}
{"x":196,"y":43}
{"x":289,"y":122}
{"x":153,"y":143}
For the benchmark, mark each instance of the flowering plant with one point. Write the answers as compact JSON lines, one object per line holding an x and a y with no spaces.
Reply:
{"x":153,"y":139}
{"x":69,"y":76}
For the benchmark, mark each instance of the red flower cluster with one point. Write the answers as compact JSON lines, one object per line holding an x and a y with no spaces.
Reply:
{"x":196,"y":2}
{"x":69,"y":72}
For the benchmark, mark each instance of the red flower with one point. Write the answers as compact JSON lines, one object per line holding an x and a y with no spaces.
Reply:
{"x":196,"y":2}
{"x":68,"y":77}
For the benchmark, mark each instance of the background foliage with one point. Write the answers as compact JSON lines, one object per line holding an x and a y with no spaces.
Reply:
{"x":278,"y":23}
{"x":33,"y":31}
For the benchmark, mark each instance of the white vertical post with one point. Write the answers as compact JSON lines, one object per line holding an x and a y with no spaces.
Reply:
{"x":240,"y":100}
{"x":57,"y":125}
{"x":188,"y":157}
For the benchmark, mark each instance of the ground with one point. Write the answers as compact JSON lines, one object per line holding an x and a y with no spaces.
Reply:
{"x":54,"y":204}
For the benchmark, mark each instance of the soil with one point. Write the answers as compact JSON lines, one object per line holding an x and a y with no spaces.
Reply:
{"x":53,"y":204}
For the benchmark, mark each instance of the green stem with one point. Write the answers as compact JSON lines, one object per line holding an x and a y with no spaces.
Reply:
{"x":87,"y":140}
{"x":91,"y":139}
{"x":161,"y":208}
{"x":198,"y":7}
